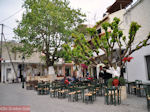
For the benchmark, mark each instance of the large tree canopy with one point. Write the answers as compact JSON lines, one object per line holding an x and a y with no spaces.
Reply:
{"x":46,"y":25}
{"x":107,"y":43}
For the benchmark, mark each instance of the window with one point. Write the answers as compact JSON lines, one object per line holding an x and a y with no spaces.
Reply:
{"x":148,"y":66}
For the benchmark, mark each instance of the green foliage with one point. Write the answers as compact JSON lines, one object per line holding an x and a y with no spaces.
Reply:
{"x":92,"y":31}
{"x":79,"y":52}
{"x":124,"y":38}
{"x":46,"y":25}
{"x":105,"y":25}
{"x":134,"y":27}
{"x":107,"y":42}
{"x":66,"y":53}
{"x":116,"y":77}
{"x":81,"y":29}
{"x":116,"y":20}
{"x":122,"y":81}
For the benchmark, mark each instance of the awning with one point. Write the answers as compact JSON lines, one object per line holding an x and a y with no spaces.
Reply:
{"x":118,"y":5}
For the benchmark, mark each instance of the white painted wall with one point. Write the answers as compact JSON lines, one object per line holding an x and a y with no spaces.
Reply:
{"x":139,"y":13}
{"x":6,"y":66}
{"x":137,"y":68}
{"x":28,"y":70}
{"x":119,"y":14}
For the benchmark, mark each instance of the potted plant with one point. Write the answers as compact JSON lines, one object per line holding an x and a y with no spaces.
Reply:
{"x":122,"y":81}
{"x":115,"y":81}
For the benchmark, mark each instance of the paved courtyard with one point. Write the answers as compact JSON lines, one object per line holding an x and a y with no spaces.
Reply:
{"x":13,"y":94}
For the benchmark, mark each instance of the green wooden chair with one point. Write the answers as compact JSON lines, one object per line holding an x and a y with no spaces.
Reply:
{"x":147,"y":91}
{"x":62,"y":93}
{"x":112,"y":96}
{"x":54,"y":90}
{"x":72,"y":93}
{"x":90,"y":96}
{"x":39,"y":89}
{"x":140,"y":89}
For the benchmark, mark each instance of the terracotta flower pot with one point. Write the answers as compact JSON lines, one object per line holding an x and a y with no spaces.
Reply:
{"x":115,"y":82}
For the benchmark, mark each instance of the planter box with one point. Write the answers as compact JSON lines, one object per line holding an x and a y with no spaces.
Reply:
{"x":123,"y":93}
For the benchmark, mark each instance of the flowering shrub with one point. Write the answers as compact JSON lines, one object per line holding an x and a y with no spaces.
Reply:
{"x":120,"y":79}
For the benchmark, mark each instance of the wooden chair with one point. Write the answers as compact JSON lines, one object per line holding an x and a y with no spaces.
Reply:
{"x":133,"y":87}
{"x":46,"y":88}
{"x":62,"y":93}
{"x":39,"y":89}
{"x":140,"y":89}
{"x":90,"y":96}
{"x":71,"y":93}
{"x":54,"y":90}
{"x":147,"y":91}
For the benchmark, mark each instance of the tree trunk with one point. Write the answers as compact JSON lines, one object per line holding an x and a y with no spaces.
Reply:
{"x":122,"y":72}
{"x":79,"y":72}
{"x":51,"y":72}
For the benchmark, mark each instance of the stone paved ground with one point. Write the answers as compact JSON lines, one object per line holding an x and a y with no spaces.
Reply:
{"x":13,"y":94}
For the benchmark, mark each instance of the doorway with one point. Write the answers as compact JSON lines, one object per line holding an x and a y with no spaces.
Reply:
{"x":67,"y":71}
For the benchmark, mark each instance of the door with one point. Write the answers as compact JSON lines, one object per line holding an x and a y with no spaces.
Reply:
{"x":68,"y":71}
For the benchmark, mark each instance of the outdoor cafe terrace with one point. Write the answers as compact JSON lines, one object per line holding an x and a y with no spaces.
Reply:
{"x":91,"y":91}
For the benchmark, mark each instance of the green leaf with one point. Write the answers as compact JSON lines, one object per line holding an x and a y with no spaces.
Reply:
{"x":46,"y":25}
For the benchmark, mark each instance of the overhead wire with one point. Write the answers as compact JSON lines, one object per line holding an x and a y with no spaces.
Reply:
{"x":8,"y":27}
{"x":11,"y":15}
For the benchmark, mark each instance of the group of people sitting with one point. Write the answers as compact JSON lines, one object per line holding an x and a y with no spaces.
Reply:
{"x":69,"y":80}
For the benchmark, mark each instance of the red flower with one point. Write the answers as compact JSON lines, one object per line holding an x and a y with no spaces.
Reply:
{"x":124,"y":59}
{"x":127,"y":59}
{"x":115,"y":82}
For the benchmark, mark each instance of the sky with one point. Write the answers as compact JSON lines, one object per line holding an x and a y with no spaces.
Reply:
{"x":94,"y":9}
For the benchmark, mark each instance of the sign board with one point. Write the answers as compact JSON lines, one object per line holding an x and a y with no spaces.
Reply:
{"x":14,"y":108}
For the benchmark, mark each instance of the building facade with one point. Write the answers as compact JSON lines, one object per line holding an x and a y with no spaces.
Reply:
{"x":14,"y":65}
{"x":139,"y":67}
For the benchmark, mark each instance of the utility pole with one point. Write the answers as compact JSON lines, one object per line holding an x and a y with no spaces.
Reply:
{"x":1,"y":50}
